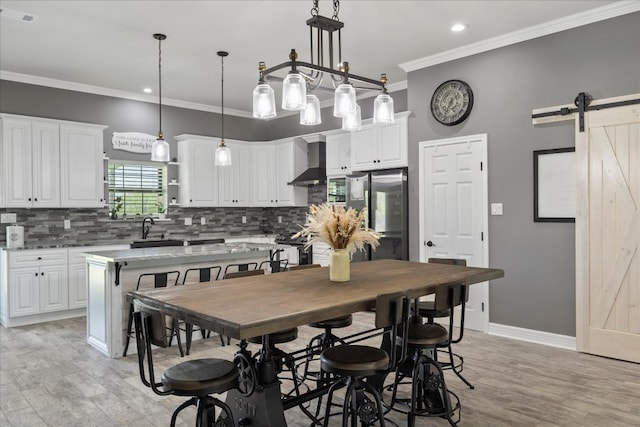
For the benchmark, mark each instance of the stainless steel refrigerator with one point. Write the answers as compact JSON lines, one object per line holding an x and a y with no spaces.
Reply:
{"x":384,"y":195}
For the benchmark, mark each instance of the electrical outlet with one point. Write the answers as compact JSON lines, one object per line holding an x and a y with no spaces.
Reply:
{"x":67,"y":224}
{"x":188,"y":221}
{"x":203,"y":220}
{"x":496,"y":208}
{"x":279,"y":219}
{"x":244,"y":219}
{"x":8,"y":217}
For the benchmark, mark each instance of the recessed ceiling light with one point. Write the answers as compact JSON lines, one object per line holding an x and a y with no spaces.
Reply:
{"x":147,"y":90}
{"x":17,"y":15}
{"x":456,"y":28}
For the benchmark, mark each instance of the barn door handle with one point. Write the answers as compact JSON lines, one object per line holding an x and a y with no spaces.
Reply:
{"x":430,"y":243}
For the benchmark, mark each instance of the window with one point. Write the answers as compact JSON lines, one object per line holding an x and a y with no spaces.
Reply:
{"x":136,"y":189}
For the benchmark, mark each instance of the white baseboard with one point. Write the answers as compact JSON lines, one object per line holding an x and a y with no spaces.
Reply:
{"x":530,"y":335}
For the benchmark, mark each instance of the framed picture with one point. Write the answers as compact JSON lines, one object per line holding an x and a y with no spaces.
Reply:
{"x":554,"y":185}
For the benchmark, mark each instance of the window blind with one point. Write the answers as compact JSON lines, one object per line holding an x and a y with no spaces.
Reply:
{"x":136,"y":189}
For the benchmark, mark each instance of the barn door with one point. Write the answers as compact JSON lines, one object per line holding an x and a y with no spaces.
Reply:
{"x":608,"y":234}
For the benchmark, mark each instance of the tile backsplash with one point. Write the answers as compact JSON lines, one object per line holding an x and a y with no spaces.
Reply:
{"x":92,"y":226}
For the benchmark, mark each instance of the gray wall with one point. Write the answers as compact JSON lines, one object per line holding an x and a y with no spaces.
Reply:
{"x":603,"y":59}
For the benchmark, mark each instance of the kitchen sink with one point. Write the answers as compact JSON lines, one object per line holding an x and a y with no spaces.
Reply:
{"x":155,"y":243}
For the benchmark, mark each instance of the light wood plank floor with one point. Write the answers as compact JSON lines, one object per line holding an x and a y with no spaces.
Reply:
{"x":49,"y":376}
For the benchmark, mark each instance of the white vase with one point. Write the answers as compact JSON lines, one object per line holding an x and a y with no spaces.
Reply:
{"x":340,"y":266}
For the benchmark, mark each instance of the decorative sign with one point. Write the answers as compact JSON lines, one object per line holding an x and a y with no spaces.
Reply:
{"x":135,"y":142}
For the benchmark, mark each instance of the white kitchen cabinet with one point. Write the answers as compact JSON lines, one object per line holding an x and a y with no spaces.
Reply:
{"x":235,"y":181}
{"x":338,"y":150}
{"x":198,"y":174}
{"x":33,"y":284}
{"x":30,"y":162}
{"x":275,"y":164}
{"x":81,"y":165}
{"x":378,"y":146}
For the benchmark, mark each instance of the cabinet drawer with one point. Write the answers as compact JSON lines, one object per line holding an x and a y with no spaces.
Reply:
{"x":37,"y":258}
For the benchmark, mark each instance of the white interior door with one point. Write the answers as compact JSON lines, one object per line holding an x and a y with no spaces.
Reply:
{"x":453,"y":211}
{"x":608,"y":234}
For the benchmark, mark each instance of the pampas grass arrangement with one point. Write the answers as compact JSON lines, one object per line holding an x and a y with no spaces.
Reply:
{"x":338,"y":228}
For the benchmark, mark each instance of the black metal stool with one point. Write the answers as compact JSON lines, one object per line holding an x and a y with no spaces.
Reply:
{"x":160,"y":280}
{"x":205,"y":274}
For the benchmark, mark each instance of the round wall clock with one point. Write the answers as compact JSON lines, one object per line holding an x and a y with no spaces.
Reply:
{"x":451,"y":102}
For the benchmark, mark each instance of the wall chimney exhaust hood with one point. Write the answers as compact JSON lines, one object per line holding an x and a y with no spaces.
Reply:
{"x":316,"y":172}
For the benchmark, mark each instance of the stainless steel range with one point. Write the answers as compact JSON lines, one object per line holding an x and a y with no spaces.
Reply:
{"x":305,"y":255}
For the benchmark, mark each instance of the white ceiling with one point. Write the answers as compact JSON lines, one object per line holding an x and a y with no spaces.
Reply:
{"x":107,"y":46}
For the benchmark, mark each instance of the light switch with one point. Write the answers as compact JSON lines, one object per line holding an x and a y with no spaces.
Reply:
{"x":188,"y":221}
{"x":244,"y":219}
{"x":279,"y":219}
{"x":496,"y":208}
{"x":67,"y":224}
{"x":203,"y":220}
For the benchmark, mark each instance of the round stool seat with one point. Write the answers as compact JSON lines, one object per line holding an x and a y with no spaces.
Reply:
{"x":201,"y":376}
{"x":336,"y":322}
{"x":279,"y":337}
{"x":428,"y":335}
{"x":427,"y":309}
{"x":354,"y":360}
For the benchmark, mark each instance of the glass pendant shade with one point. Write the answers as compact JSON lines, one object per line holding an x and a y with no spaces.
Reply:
{"x":160,"y":151}
{"x":264,"y":102}
{"x":223,"y":155}
{"x":294,"y":92}
{"x":311,"y":114}
{"x":344,"y":100}
{"x":353,"y":121}
{"x":383,"y":109}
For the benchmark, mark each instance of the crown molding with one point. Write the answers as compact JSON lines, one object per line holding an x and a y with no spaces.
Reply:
{"x":555,"y":26}
{"x":98,"y":90}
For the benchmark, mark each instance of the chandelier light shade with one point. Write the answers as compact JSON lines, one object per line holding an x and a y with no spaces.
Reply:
{"x":311,"y":115}
{"x":383,"y":109}
{"x":223,"y":153}
{"x":353,"y":121}
{"x":344,"y":100}
{"x":160,"y":147}
{"x":294,"y":92}
{"x":264,"y":102}
{"x":314,"y":74}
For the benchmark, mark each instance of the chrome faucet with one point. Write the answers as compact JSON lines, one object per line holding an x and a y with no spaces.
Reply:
{"x":146,"y":228}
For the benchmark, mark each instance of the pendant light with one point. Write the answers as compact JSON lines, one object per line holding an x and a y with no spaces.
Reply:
{"x":311,"y":115}
{"x":383,"y":106}
{"x":353,"y":121}
{"x":160,"y":147}
{"x":223,"y":154}
{"x":264,"y":99}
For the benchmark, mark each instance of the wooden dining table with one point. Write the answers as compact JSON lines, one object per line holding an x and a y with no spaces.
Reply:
{"x":255,"y":306}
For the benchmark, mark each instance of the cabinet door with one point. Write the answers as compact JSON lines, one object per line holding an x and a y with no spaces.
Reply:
{"x":364,"y":150}
{"x":263,"y":174}
{"x":24,"y":291}
{"x":16,"y":163}
{"x":45,"y":139}
{"x":339,"y":154}
{"x":242,"y":174}
{"x":284,"y":194}
{"x":77,"y":286}
{"x":81,"y":154}
{"x":201,"y":186}
{"x":392,"y":145}
{"x":54,"y":289}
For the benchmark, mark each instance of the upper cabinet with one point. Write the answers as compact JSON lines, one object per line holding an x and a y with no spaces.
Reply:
{"x":275,"y":164}
{"x":380,"y":146}
{"x":198,"y":173}
{"x":338,"y":154}
{"x":51,"y":163}
{"x":235,"y":180}
{"x":81,"y":166}
{"x":30,"y":162}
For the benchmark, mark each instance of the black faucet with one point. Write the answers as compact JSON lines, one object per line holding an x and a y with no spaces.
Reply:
{"x":146,"y":228}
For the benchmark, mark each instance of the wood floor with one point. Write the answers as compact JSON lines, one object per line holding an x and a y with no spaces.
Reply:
{"x":49,"y":376}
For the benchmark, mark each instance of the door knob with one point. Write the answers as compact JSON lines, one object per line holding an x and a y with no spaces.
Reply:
{"x":430,"y":243}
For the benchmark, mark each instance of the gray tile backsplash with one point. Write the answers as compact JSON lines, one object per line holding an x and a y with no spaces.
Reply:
{"x":92,"y":226}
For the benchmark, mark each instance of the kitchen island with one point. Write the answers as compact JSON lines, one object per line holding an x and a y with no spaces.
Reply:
{"x":112,"y":274}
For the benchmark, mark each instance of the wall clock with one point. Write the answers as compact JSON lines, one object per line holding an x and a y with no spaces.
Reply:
{"x":451,"y":102}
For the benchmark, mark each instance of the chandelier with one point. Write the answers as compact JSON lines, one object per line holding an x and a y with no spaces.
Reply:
{"x":305,"y":77}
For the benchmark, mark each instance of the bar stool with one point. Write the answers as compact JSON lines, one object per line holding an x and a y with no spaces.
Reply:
{"x":205,"y":274}
{"x":355,"y":363}
{"x":160,"y":280}
{"x":428,"y":310}
{"x":247,"y":266}
{"x":197,"y":378}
